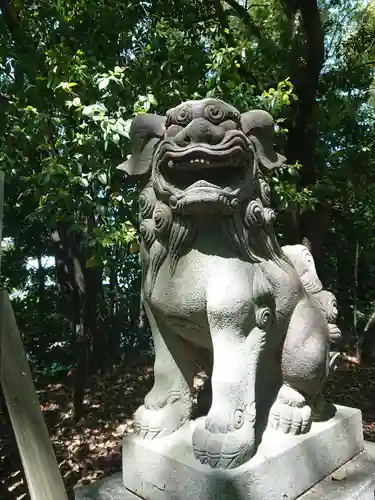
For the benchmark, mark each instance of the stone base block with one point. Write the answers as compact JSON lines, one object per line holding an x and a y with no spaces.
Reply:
{"x":353,"y":481}
{"x":109,"y":488}
{"x":284,"y":467}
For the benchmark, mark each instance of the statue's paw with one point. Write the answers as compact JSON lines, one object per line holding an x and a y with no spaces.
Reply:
{"x":223,"y":450}
{"x":290,"y":414}
{"x":150,"y":423}
{"x":290,"y":419}
{"x":155,"y":399}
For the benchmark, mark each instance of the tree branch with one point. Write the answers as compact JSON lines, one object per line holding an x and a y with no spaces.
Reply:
{"x":11,"y":17}
{"x":25,"y":47}
{"x":224,"y":22}
{"x":243,"y":14}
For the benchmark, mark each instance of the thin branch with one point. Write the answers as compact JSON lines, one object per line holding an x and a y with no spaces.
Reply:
{"x":338,"y":27}
{"x":224,"y":22}
{"x":355,"y":314}
{"x":26,"y":47}
{"x":363,"y":64}
{"x":11,"y":18}
{"x":243,"y":14}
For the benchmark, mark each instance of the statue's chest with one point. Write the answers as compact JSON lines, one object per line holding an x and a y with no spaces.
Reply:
{"x":183,"y":292}
{"x":179,"y":298}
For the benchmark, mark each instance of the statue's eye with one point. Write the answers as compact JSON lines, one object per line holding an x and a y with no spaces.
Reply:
{"x":182,"y":116}
{"x":214,"y":113}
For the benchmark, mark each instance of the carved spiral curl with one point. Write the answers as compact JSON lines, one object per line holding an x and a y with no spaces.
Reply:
{"x":328,"y":304}
{"x":334,"y":311}
{"x":182,"y":115}
{"x":162,"y":218}
{"x":254,"y":215}
{"x":147,"y":202}
{"x":146,"y":230}
{"x":265,"y":191}
{"x":214,"y":113}
{"x":235,"y":203}
{"x":269,"y":216}
{"x":238,"y":419}
{"x":263,"y":318}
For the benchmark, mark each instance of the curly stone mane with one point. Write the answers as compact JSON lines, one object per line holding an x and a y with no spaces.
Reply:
{"x":248,"y":232}
{"x":162,"y":232}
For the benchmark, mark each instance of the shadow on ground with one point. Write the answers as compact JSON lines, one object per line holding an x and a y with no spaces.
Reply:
{"x":92,"y":449}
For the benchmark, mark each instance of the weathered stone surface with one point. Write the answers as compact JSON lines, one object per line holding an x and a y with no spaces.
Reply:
{"x":215,"y":283}
{"x":109,"y":488}
{"x":303,"y":261}
{"x":284,"y":467}
{"x":353,"y":481}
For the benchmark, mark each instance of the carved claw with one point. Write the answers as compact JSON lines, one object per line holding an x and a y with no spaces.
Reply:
{"x":224,"y":450}
{"x":290,"y":414}
{"x":154,"y":400}
{"x":153,"y":423}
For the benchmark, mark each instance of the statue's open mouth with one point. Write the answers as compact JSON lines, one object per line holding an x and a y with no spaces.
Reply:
{"x":205,"y":166}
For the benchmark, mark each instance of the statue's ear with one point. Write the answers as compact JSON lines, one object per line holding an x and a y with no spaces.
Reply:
{"x":258,"y":126}
{"x":145,"y":132}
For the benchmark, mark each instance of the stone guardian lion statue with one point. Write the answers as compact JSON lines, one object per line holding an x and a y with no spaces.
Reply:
{"x":215,"y":280}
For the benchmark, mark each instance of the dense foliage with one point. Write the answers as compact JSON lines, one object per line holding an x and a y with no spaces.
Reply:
{"x":72,"y":75}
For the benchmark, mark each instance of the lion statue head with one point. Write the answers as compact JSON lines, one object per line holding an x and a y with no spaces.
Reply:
{"x":204,"y":159}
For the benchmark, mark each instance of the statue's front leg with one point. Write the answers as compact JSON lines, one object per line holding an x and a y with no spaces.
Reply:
{"x":168,"y":405}
{"x":305,"y":360}
{"x":226,"y":438}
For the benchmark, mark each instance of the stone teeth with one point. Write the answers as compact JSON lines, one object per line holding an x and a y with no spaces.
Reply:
{"x":200,"y":160}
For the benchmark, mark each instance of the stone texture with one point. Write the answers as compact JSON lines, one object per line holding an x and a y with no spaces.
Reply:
{"x":283,"y":468}
{"x":303,"y":261}
{"x":353,"y":481}
{"x":216,"y":284}
{"x":109,"y":488}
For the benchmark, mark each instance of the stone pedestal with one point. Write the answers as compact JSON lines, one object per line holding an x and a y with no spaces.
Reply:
{"x":353,"y":481}
{"x":284,"y":466}
{"x":316,"y":466}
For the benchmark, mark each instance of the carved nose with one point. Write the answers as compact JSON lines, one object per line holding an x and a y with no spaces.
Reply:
{"x":200,"y":131}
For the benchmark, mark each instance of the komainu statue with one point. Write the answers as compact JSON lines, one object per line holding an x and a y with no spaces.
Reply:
{"x":303,"y":261}
{"x":215,"y":280}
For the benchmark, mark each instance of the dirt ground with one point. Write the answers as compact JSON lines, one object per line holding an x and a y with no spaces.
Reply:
{"x":92,"y":449}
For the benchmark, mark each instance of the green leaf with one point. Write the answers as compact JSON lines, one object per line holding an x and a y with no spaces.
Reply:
{"x":76,"y":102}
{"x":94,"y":109}
{"x":103,"y":84}
{"x":103,"y":178}
{"x":93,"y":261}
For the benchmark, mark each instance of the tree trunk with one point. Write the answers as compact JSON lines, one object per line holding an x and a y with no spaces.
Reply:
{"x":72,"y":284}
{"x":302,"y":137}
{"x":41,"y":287}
